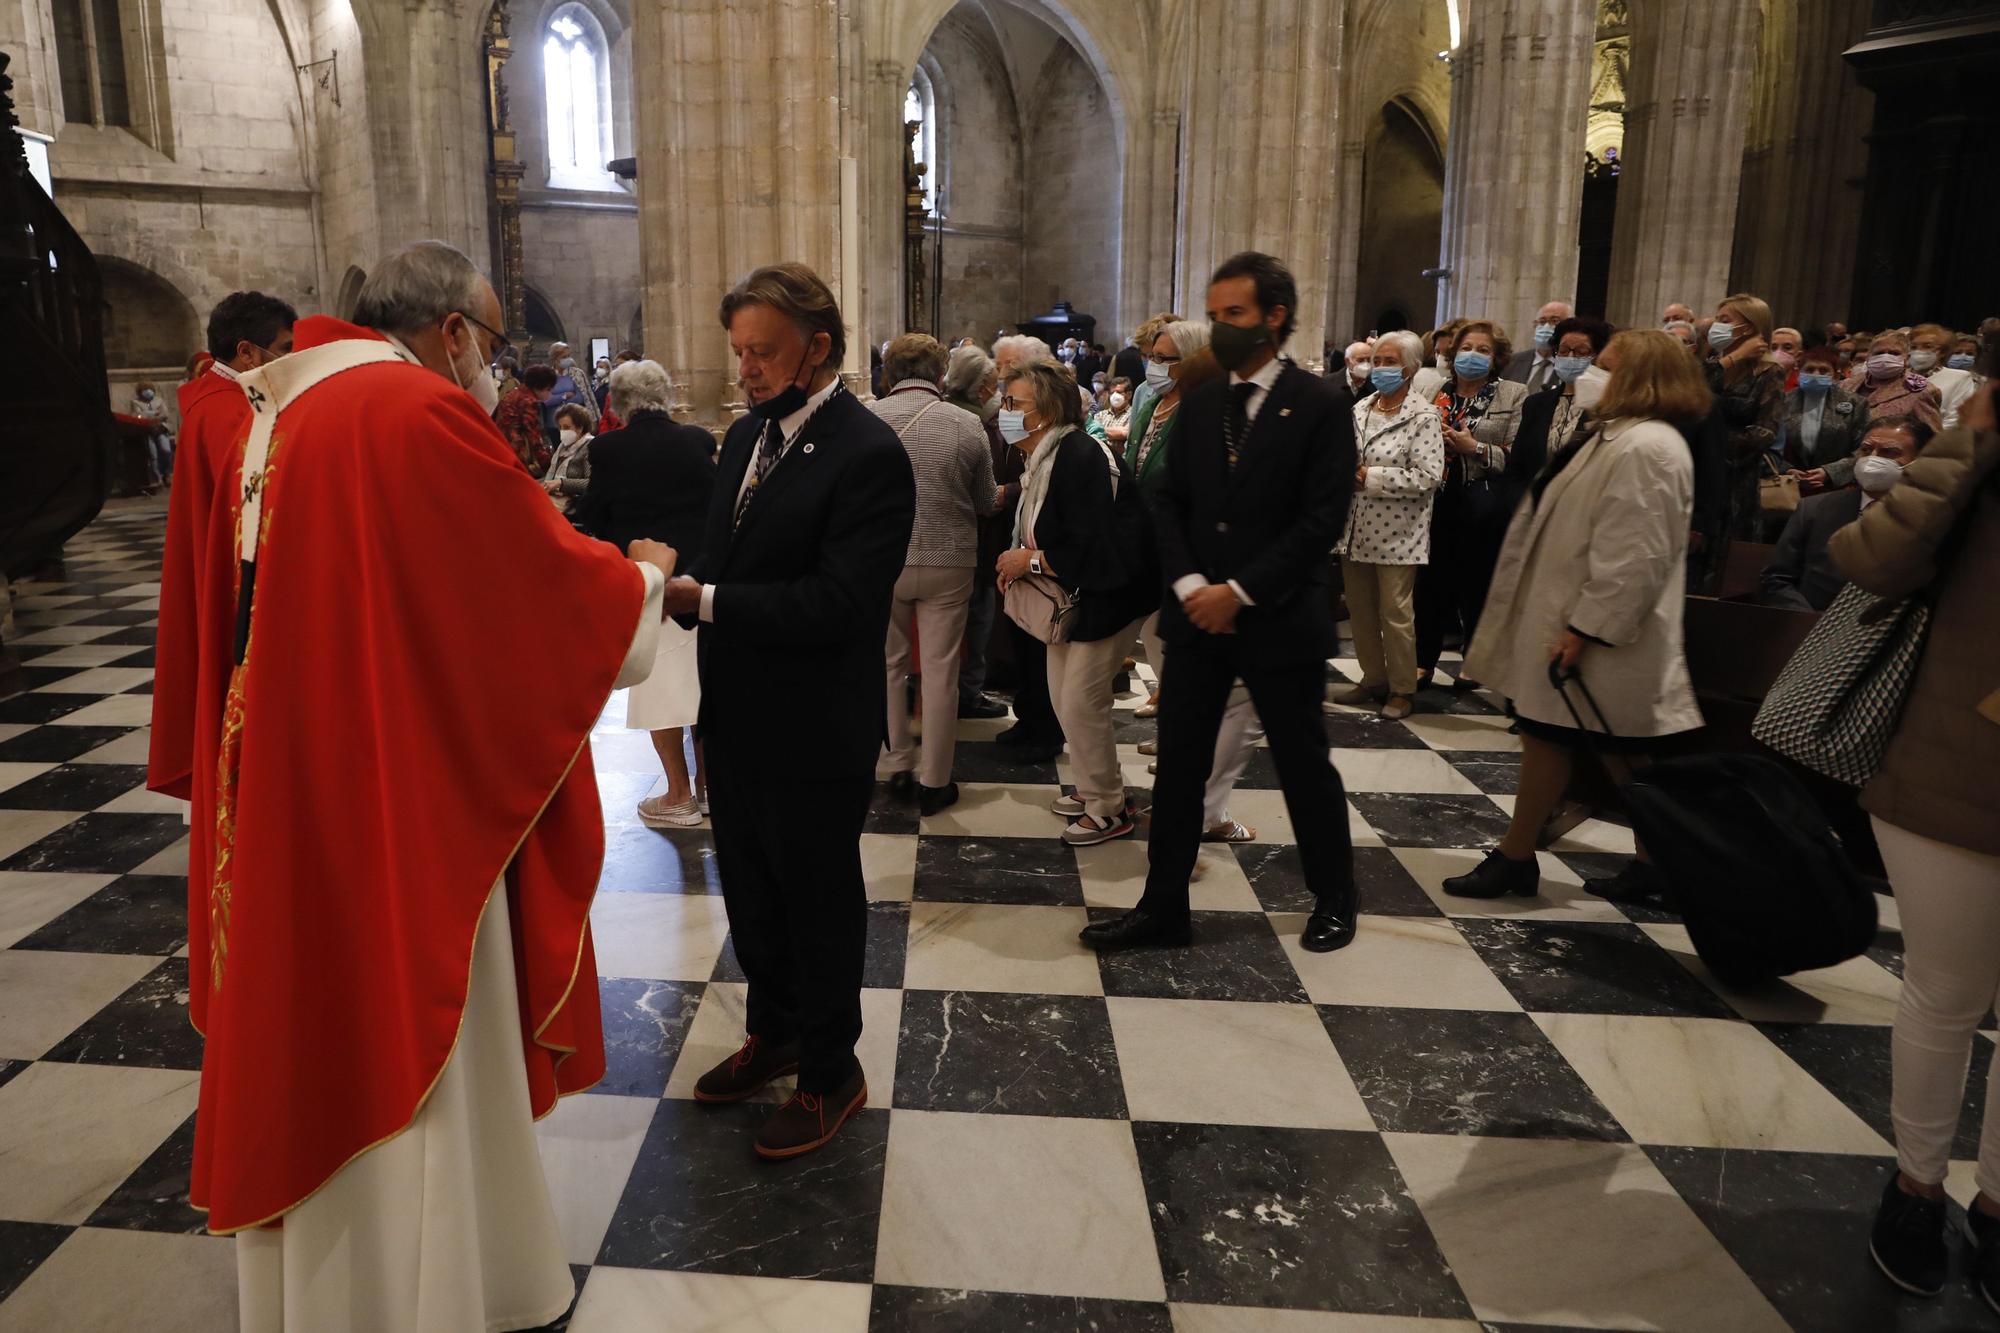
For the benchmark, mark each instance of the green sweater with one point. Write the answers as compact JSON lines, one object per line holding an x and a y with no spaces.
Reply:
{"x":1155,"y":469}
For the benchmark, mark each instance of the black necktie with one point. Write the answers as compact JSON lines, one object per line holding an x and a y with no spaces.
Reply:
{"x":1236,"y":426}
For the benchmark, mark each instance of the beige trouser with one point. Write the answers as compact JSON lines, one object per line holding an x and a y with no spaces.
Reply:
{"x":1080,"y":679}
{"x":1380,"y":602}
{"x":937,"y":599}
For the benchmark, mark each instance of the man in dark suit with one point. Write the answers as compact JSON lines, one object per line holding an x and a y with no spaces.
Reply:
{"x":1801,"y":575}
{"x":814,"y":501}
{"x":1254,"y":498}
{"x":1130,"y":364}
{"x":1534,"y":365}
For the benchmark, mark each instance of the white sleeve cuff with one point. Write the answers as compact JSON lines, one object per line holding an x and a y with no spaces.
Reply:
{"x":638,"y":663}
{"x":1241,"y":595}
{"x":1187,"y":584}
{"x":708,"y":603}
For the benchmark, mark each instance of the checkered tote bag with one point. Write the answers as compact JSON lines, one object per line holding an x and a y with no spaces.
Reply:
{"x":1835,"y":704}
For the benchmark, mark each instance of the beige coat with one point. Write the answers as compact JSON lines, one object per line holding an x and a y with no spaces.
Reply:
{"x":1603,"y":553}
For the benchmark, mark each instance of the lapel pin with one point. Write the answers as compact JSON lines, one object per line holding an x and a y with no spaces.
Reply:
{"x":807,"y":449}
{"x":1284,"y":411}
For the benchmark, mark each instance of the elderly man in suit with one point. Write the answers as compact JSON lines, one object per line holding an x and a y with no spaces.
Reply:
{"x":1801,"y":575}
{"x":1534,"y":365}
{"x":1254,"y":498}
{"x":814,"y":503}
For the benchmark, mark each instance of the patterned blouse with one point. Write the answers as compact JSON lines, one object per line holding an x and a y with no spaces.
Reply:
{"x":520,"y":420}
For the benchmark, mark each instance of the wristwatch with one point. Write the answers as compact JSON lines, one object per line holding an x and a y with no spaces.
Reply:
{"x":1034,"y":562}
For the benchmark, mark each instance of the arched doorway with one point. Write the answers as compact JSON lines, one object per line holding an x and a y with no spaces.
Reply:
{"x":543,"y":326}
{"x":1402,"y":211}
{"x":148,"y":323}
{"x":351,"y":283}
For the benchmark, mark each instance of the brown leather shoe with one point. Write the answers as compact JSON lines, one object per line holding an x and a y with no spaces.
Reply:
{"x":810,"y":1120}
{"x":744,"y":1074}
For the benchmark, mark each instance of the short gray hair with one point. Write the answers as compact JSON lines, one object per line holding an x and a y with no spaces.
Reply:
{"x":1026,"y":347}
{"x":640,"y":386}
{"x":417,"y":287}
{"x":1187,"y":335}
{"x":914,"y":356}
{"x":968,"y":370}
{"x":1408,"y":346}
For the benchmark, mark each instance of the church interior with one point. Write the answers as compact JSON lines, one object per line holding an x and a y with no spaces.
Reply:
{"x":1510,"y":1114}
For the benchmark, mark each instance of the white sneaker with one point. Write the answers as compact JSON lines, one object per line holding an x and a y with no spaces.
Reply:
{"x":654,"y":812}
{"x":1068,"y":805}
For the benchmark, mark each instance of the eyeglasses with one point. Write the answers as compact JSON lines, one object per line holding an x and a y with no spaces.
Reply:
{"x":501,"y":347}
{"x":1164,"y":360}
{"x":1009,"y":403}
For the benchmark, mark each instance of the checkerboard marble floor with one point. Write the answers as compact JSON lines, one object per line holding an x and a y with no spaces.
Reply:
{"x":1535,"y":1114}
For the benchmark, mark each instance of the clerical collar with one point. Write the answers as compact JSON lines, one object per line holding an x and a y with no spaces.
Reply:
{"x":790,"y":425}
{"x":402,"y":348}
{"x":225,"y":372}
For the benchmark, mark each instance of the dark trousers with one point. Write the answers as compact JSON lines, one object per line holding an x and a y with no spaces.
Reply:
{"x":1199,"y":675}
{"x":1467,"y":530}
{"x":1032,"y":706}
{"x":978,"y":634}
{"x":789,"y":854}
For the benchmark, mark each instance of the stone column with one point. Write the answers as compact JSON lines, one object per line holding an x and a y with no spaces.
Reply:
{"x":1687,"y":106}
{"x":1513,"y":183}
{"x":26,"y":37}
{"x":427,"y":134}
{"x":1344,"y":277}
{"x":737,"y":167}
{"x":1261,"y":141}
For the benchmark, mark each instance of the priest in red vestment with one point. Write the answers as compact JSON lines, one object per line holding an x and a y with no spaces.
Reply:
{"x":395,"y":847}
{"x":245,"y":330}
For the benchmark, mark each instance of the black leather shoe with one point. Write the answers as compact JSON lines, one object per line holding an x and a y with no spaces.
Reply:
{"x":1138,"y":929}
{"x":1907,"y":1241}
{"x":903,"y":786}
{"x":984,"y":705}
{"x":1986,"y":1255}
{"x":1637,"y":882}
{"x":1496,"y":877}
{"x":1326,"y":932}
{"x":930,"y":800}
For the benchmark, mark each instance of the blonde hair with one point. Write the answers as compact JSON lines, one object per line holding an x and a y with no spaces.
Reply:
{"x":1754,"y":309}
{"x":1655,"y":379}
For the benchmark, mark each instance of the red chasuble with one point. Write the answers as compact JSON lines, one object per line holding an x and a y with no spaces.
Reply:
{"x":214,"y":418}
{"x":430,"y":645}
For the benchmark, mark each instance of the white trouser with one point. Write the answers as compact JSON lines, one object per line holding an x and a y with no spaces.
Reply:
{"x":1949,"y":901}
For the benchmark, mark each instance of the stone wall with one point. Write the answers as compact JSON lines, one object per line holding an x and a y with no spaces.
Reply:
{"x":979,"y":151}
{"x":1072,"y":199}
{"x":584,"y":260}
{"x":1402,"y":204}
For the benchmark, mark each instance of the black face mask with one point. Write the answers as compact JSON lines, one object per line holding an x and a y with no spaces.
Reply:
{"x":782,"y":404}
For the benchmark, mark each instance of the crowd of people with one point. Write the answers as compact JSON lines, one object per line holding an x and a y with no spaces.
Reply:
{"x":1044,"y":517}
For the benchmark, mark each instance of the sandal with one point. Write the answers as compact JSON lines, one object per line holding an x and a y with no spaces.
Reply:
{"x":1231,"y":831}
{"x":1150,"y":708}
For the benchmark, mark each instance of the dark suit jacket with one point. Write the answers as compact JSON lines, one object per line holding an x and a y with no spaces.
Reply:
{"x":1800,"y":574}
{"x":1842,"y":423}
{"x":1270,"y":523}
{"x":653,"y":478}
{"x":1130,"y":363}
{"x":802,"y":589}
{"x":1522,"y":363}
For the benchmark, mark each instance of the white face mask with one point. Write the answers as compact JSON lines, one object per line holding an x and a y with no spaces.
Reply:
{"x":1590,"y":386}
{"x":1875,"y":474}
{"x":1117,"y":402}
{"x":478,"y":380}
{"x":568,"y":437}
{"x":1923,"y":360}
{"x":1444,"y":363}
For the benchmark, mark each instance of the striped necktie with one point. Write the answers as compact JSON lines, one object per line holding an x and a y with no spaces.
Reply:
{"x":770,"y":448}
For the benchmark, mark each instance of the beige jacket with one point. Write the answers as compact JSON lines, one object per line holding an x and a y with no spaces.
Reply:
{"x":1941,"y":777}
{"x":1603,"y":553}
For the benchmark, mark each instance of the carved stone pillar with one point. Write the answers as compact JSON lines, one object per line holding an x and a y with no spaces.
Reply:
{"x":1513,"y":184}
{"x":506,"y":171}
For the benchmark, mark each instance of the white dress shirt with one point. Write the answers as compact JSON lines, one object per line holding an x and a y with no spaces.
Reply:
{"x":789,"y":427}
{"x":1260,"y":383}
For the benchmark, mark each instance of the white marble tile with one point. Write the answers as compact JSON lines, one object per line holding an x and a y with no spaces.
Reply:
{"x":1888,"y":916}
{"x":1551,"y":1231}
{"x":1419,"y":771}
{"x":30,"y":899}
{"x":120,"y":710}
{"x":71,"y":1134}
{"x":1463,"y":731}
{"x":59,"y":635}
{"x":621,"y":751}
{"x":1403,"y":961}
{"x":167,"y":861}
{"x":100,"y":680}
{"x":588,"y":1145}
{"x":1562,"y":897}
{"x":999,"y":810}
{"x":149,"y":589}
{"x":57,"y":615}
{"x":20,"y":828}
{"x":1592,"y":835}
{"x":46,"y":996}
{"x":1023,"y":1203}
{"x":14,"y":774}
{"x":1705,"y":1083}
{"x":1859,"y":990}
{"x":9,"y":730}
{"x":77,"y":655}
{"x":889,"y":867}
{"x":717,"y":1031}
{"x":661,"y":936}
{"x":1034,"y":950}
{"x":623,"y":1300}
{"x":46,"y":601}
{"x":105,"y":1279}
{"x":1220,"y":1062}
{"x":139,"y":801}
{"x":1114,"y":876}
{"x":1252,"y":1319}
{"x":131,"y":748}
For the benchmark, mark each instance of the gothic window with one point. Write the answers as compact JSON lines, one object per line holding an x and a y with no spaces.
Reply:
{"x":575,"y":77}
{"x":90,"y":54}
{"x":920,"y":106}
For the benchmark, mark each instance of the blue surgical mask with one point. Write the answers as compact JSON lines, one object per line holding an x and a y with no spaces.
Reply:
{"x":1959,"y":361}
{"x":1569,"y":367}
{"x":1013,"y":425}
{"x":1544,"y":334}
{"x":1815,"y":383}
{"x":1386,"y":379}
{"x":1721,"y":334}
{"x":1161,"y":377}
{"x":1472,"y":365}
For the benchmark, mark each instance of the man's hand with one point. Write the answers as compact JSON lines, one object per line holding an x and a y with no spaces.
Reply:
{"x":657,"y":554}
{"x":1567,"y":650}
{"x":1213,"y":609}
{"x":682,"y":597}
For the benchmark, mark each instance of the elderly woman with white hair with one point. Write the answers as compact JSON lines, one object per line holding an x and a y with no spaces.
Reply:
{"x":652,"y":478}
{"x":1399,"y":441}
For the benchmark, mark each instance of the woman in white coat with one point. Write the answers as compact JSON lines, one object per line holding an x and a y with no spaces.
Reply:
{"x":1592,"y":578}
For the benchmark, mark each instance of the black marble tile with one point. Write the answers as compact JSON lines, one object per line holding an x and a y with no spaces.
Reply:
{"x":699,"y":1200}
{"x":1458,"y":1071}
{"x":1260,"y":772}
{"x":995,"y":1054}
{"x":142,"y":658}
{"x":143,"y":687}
{"x":638,"y":859}
{"x":1588,"y":967}
{"x":1022,"y":871}
{"x":1384,"y":887}
{"x":134,"y":636}
{"x":1493,"y":772}
{"x":1369,"y":731}
{"x":1293,"y":1218}
{"x":100,"y":844}
{"x":43,"y":707}
{"x":57,"y":745}
{"x":9,"y":1068}
{"x":155,"y":1196}
{"x":130,"y":616}
{"x":989,"y":761}
{"x":889,"y":813}
{"x":888,"y":945}
{"x":1235,"y":956}
{"x":1852,"y":1062}
{"x":147,"y":1025}
{"x":645,"y":1024}
{"x":23,"y":1248}
{"x":74,"y":787}
{"x":1603,"y":865}
{"x":727,"y":967}
{"x":1797,"y":1224}
{"x":137,"y":914}
{"x":931,"y":1310}
{"x":23,"y":679}
{"x":1431,"y":820}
